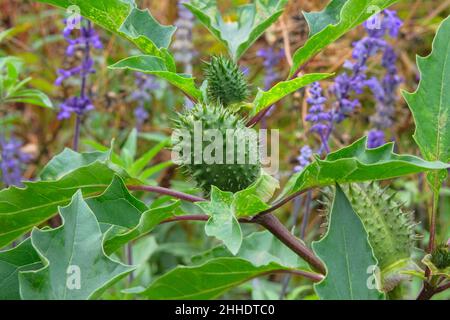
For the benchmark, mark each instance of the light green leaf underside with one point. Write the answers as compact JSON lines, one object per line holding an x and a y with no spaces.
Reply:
{"x":69,"y":160}
{"x":126,"y":20}
{"x":282,"y":89}
{"x":225,"y":207}
{"x":156,"y":66}
{"x":116,"y":238}
{"x":253,"y":199}
{"x":218,"y":272}
{"x":21,"y":258}
{"x":317,"y":21}
{"x":253,"y":19}
{"x":73,"y":249}
{"x":356,"y":163}
{"x":430,"y":104}
{"x":353,"y":13}
{"x":347,"y":255}
{"x":222,"y":223}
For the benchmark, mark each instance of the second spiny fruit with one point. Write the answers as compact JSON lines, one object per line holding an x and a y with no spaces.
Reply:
{"x":232,"y":176}
{"x":226,"y":82}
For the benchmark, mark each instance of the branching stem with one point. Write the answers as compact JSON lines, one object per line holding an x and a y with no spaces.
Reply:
{"x":265,"y":219}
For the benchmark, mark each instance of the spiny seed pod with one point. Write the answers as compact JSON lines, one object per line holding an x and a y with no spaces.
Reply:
{"x":441,"y":257}
{"x":229,"y":160}
{"x":389,"y":228}
{"x":226,"y":82}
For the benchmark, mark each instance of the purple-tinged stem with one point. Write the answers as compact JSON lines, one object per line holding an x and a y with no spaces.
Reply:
{"x":168,"y":192}
{"x":87,"y":51}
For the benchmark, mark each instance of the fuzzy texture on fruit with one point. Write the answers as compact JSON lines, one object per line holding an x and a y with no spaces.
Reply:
{"x":226,"y":82}
{"x":390,"y":229}
{"x":232,"y":176}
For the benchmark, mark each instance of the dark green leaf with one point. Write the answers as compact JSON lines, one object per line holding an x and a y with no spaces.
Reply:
{"x":356,"y":163}
{"x":260,"y":254}
{"x":156,"y":66}
{"x":265,"y":99}
{"x":347,"y":255}
{"x":353,"y":13}
{"x":124,"y":19}
{"x":430,"y":104}
{"x":23,"y":208}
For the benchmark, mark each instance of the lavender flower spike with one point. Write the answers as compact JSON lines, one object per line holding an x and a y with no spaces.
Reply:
{"x":145,"y":84}
{"x":87,"y":39}
{"x":304,"y":158}
{"x":322,"y":121}
{"x":12,"y":160}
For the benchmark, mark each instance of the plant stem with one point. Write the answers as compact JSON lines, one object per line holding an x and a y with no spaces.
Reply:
{"x":282,"y":202}
{"x":84,"y":75}
{"x":76,"y":135}
{"x":168,"y":192}
{"x":265,"y":219}
{"x":431,"y":244}
{"x":310,"y":275}
{"x":129,"y":253}
{"x":271,"y":223}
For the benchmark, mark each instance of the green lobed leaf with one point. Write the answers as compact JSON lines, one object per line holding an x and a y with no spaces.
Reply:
{"x":116,"y":206}
{"x":225,"y":207}
{"x":265,"y":99}
{"x":261,"y":253}
{"x":125,"y":19}
{"x":69,"y":160}
{"x":356,"y":163}
{"x":252,"y":200}
{"x":430,"y":104}
{"x":156,"y":66}
{"x":114,"y":239}
{"x":253,"y":19}
{"x":21,"y":258}
{"x":352,"y":13}
{"x":23,"y":208}
{"x":75,"y":266}
{"x":123,"y":218}
{"x":222,"y":223}
{"x":347,"y":255}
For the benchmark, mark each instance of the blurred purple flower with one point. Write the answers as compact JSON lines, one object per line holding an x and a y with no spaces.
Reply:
{"x":321,"y":120}
{"x":304,"y":158}
{"x":375,"y":139}
{"x":183,"y":46}
{"x":142,"y":95}
{"x":385,"y":91}
{"x":271,"y":60}
{"x":378,"y":27}
{"x":77,"y":105}
{"x":86,"y":40}
{"x":12,"y":160}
